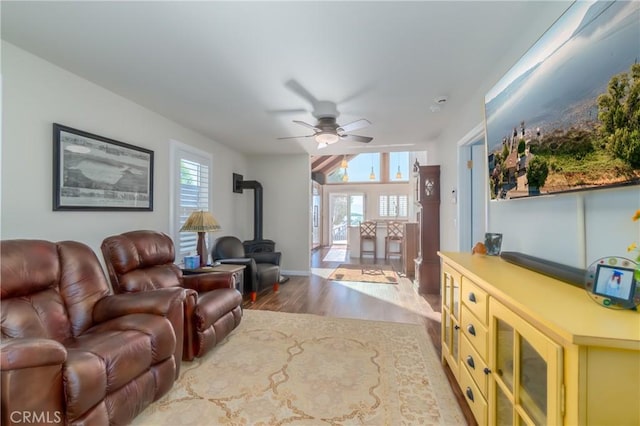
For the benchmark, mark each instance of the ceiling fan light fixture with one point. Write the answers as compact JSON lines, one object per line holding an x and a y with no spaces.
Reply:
{"x":327,"y":138}
{"x":344,"y":163}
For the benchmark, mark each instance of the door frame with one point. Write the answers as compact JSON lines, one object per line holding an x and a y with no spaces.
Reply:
{"x":465,"y":186}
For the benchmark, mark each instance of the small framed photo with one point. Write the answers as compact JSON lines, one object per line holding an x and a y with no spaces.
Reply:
{"x":615,"y":282}
{"x":493,"y":243}
{"x":91,"y":172}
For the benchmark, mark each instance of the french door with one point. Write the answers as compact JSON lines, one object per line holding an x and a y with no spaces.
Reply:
{"x":345,"y":210}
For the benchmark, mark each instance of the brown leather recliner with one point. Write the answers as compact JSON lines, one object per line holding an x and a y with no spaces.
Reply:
{"x":144,"y":260}
{"x":71,"y":352}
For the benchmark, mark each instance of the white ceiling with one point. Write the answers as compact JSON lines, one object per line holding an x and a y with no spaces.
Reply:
{"x":221,"y":68}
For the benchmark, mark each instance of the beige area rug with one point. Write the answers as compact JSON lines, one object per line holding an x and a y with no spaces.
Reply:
{"x":365,"y":273}
{"x":299,"y":369}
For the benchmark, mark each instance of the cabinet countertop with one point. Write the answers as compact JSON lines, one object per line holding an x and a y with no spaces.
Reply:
{"x":561,"y":310}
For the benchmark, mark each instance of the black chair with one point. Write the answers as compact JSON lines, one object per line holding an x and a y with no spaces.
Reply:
{"x":262,"y":269}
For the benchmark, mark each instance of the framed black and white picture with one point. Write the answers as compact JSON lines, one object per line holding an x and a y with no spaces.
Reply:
{"x":91,"y":172}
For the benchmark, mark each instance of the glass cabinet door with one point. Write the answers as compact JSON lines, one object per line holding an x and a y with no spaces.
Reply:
{"x":455,"y":298}
{"x":450,"y":321}
{"x":525,"y":372}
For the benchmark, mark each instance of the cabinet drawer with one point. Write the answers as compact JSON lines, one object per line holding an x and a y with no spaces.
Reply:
{"x":474,"y":397}
{"x":475,"y":331}
{"x":475,"y":364}
{"x":475,"y":299}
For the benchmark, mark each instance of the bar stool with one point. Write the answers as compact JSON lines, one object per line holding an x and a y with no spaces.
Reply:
{"x":368,"y":233}
{"x":395,"y":234}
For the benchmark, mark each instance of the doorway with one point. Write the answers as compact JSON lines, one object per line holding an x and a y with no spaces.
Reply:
{"x":473,"y":189}
{"x":345,"y":210}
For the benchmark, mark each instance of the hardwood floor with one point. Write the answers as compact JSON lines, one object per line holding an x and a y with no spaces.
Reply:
{"x":316,"y":294}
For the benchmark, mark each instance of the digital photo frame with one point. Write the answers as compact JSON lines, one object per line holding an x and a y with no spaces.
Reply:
{"x":615,"y":282}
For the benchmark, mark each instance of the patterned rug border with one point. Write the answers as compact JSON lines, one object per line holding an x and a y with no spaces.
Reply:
{"x":354,"y":267}
{"x":408,"y":359}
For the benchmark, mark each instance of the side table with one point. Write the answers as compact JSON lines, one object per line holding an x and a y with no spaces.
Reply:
{"x":236,"y":272}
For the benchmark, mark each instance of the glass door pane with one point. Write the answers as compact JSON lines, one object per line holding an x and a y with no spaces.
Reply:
{"x":455,"y":344}
{"x":339,"y":209}
{"x":315,"y":220}
{"x":356,"y":209}
{"x":504,"y":409}
{"x":533,"y":383}
{"x":504,"y":358}
{"x":456,"y":298}
{"x":448,"y":279}
{"x":447,"y":331}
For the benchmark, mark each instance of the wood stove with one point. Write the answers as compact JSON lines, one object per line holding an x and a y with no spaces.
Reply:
{"x":258,"y":244}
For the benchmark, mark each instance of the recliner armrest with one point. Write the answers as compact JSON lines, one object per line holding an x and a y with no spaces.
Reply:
{"x":237,"y":261}
{"x":266,"y":257}
{"x":20,"y":353}
{"x":158,"y":302}
{"x":208,"y":281}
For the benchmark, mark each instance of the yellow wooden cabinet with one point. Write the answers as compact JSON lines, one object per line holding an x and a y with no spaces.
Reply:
{"x":534,"y":350}
{"x":451,"y":318}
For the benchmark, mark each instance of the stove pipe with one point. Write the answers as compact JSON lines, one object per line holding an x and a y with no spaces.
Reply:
{"x":258,"y":244}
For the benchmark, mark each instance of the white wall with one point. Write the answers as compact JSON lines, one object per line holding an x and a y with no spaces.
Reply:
{"x":286,"y":182}
{"x":36,"y":94}
{"x":572,"y":229}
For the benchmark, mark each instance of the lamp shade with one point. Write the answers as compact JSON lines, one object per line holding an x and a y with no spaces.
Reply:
{"x":200,"y":221}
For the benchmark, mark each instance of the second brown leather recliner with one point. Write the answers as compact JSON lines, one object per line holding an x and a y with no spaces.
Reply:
{"x":144,"y":260}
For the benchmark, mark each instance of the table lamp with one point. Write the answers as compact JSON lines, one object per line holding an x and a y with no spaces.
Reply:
{"x":200,"y":221}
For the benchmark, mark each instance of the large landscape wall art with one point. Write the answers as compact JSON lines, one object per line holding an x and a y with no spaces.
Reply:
{"x":566,"y":117}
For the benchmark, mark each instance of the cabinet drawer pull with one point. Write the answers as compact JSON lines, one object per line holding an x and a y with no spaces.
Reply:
{"x":470,"y":362}
{"x":472,"y":297}
{"x":469,"y":394}
{"x":486,"y":371}
{"x":456,"y":327}
{"x":471,"y":330}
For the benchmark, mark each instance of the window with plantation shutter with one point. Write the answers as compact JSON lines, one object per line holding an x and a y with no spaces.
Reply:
{"x":190,"y":192}
{"x":393,"y":206}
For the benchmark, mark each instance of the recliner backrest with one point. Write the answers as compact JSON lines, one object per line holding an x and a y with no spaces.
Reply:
{"x":49,"y":289}
{"x":227,"y":248}
{"x":141,"y":261}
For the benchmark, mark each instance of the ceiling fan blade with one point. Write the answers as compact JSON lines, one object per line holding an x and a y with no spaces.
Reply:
{"x":302,"y":123}
{"x":297,"y":137}
{"x":356,"y":138}
{"x":301,"y":91}
{"x":355,"y":125}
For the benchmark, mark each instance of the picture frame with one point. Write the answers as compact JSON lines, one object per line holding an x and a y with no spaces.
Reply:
{"x":493,"y":243}
{"x":615,"y":282}
{"x":92,"y":172}
{"x":549,"y":121}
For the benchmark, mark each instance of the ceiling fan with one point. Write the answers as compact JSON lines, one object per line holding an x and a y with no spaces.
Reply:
{"x":327,"y":131}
